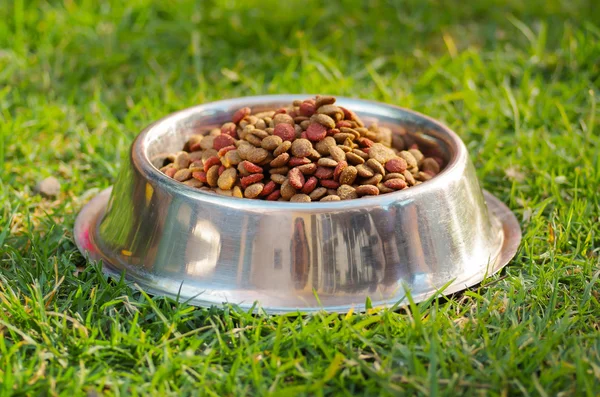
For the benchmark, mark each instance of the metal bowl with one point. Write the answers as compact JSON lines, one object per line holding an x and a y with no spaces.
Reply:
{"x":174,"y":240}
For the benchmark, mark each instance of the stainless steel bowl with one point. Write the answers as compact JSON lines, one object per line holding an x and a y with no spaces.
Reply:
{"x":173,"y":240}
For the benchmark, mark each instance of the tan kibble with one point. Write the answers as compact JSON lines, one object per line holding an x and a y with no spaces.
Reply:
{"x":193,"y":183}
{"x":257,"y":155}
{"x":376,"y":166}
{"x":321,"y":100}
{"x":182,"y":160}
{"x":332,"y":111}
{"x":381,"y":153}
{"x":331,"y":197}
{"x":317,"y":193}
{"x":348,"y":175}
{"x":278,"y":178}
{"x":237,"y":192}
{"x":367,"y":190}
{"x":374,"y":180}
{"x":410,"y":179}
{"x":227,"y":179}
{"x":280,"y":160}
{"x":287,"y":190}
{"x":423,"y":176}
{"x":253,"y":190}
{"x":301,"y":148}
{"x":323,"y":119}
{"x":360,"y":153}
{"x":354,"y":159}
{"x":384,"y":189}
{"x":300,"y":198}
{"x":271,"y":142}
{"x":364,"y":171}
{"x":323,"y":146}
{"x":231,"y":158}
{"x":430,"y":165}
{"x":279,"y":170}
{"x":410,"y":159}
{"x":393,"y":175}
{"x":254,"y":140}
{"x":282,"y":118}
{"x":183,"y":175}
{"x":327,"y":162}
{"x":207,"y":142}
{"x":346,"y":192}
{"x":337,"y":154}
{"x":212,"y":176}
{"x":417,"y":155}
{"x":282,"y":148}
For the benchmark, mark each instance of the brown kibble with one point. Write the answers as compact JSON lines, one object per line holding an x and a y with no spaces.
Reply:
{"x":348,"y":175}
{"x":280,"y":160}
{"x":430,"y":165}
{"x":278,"y":178}
{"x":318,"y":193}
{"x":374,"y":180}
{"x":296,"y":178}
{"x":237,"y":192}
{"x":354,"y":159}
{"x":279,"y":170}
{"x":207,"y":142}
{"x":381,"y":153}
{"x":396,"y":165}
{"x":410,"y":179}
{"x":193,"y":183}
{"x":324,"y":120}
{"x":282,"y":118}
{"x":337,"y":154}
{"x":254,"y":190}
{"x":301,"y":148}
{"x":327,"y":162}
{"x":183,"y":175}
{"x":384,"y":189}
{"x":424,"y":176}
{"x":396,"y":184}
{"x":364,"y":171}
{"x":287,"y":190}
{"x":393,"y":175}
{"x":367,"y":190}
{"x":323,"y":146}
{"x":346,"y":192}
{"x":410,"y":159}
{"x":212,"y":176}
{"x":397,"y":142}
{"x":284,"y":147}
{"x":332,"y":111}
{"x":417,"y":155}
{"x":331,"y":197}
{"x":360,"y":153}
{"x":300,"y":198}
{"x":182,"y":160}
{"x":254,"y":140}
{"x":376,"y":166}
{"x":271,"y":142}
{"x":227,"y":179}
{"x":308,"y":169}
{"x":231,"y":158}
{"x":257,"y":155}
{"x":321,"y":100}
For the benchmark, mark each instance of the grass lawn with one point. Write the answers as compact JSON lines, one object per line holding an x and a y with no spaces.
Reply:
{"x":517,"y":80}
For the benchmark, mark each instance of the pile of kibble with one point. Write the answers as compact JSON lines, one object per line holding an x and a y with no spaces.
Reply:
{"x":312,"y":150}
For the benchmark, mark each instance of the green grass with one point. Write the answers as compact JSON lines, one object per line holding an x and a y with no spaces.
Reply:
{"x":519,"y":81}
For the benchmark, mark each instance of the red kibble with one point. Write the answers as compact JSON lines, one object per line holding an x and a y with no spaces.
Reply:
{"x":365,"y":142}
{"x":214,"y":160}
{"x":396,"y":165}
{"x":338,"y":169}
{"x":396,"y":184}
{"x":430,"y":173}
{"x":316,"y":132}
{"x":303,"y":135}
{"x":348,"y":114}
{"x":251,"y":167}
{"x":439,"y":160}
{"x":274,"y":196}
{"x":332,"y":131}
{"x":240,"y":114}
{"x":310,"y":185}
{"x":296,"y":178}
{"x":226,"y":149}
{"x":250,"y":179}
{"x":221,"y":169}
{"x":308,"y":108}
{"x":296,"y":161}
{"x":285,"y":132}
{"x":343,"y":123}
{"x":293,"y":114}
{"x":281,"y":111}
{"x":324,"y":173}
{"x":414,"y":146}
{"x":222,"y":141}
{"x":330,"y":184}
{"x":268,"y":189}
{"x":195,"y":147}
{"x":201,"y":176}
{"x":170,"y":172}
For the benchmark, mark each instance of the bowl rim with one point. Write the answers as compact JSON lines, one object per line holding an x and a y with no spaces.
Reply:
{"x":141,"y":161}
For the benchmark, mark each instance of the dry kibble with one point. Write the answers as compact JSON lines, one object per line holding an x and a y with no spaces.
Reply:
{"x":227,"y":179}
{"x":253,"y":190}
{"x":331,"y":197}
{"x":346,"y":192}
{"x":311,"y":150}
{"x":300,"y":198}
